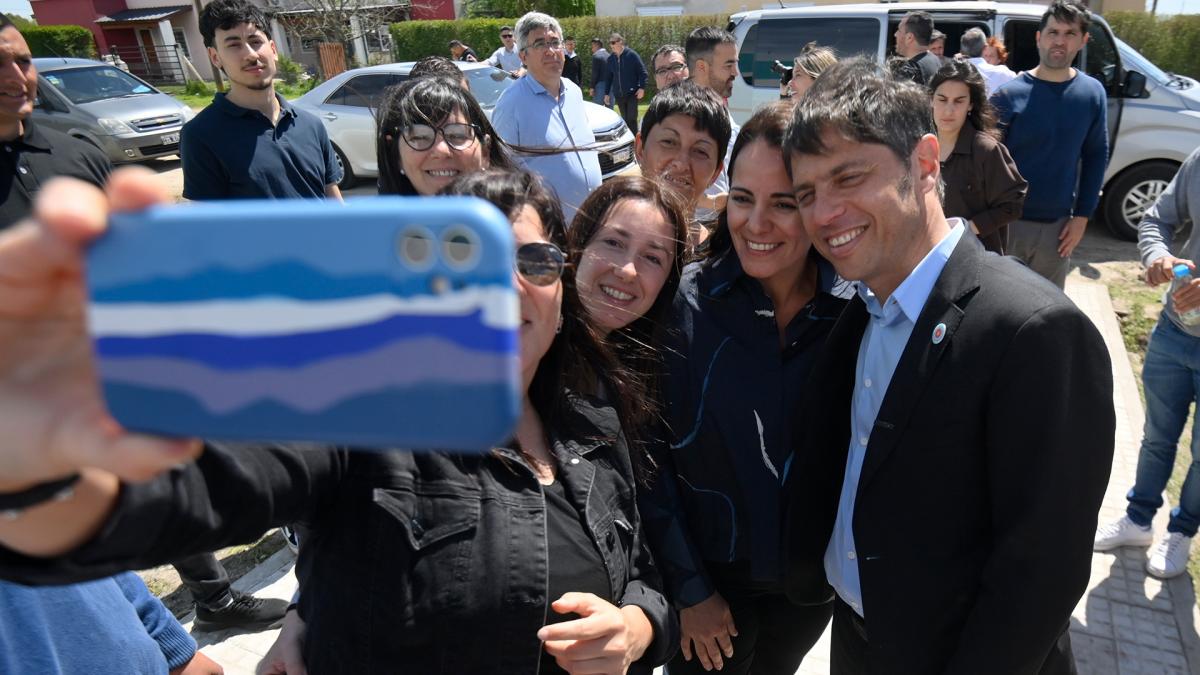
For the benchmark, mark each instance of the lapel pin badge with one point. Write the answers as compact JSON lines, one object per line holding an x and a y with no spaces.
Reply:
{"x":939,"y":333}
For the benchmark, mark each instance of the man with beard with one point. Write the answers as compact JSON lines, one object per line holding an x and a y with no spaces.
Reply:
{"x":251,"y":142}
{"x":1055,"y":123}
{"x":712,"y":62}
{"x":914,"y":42}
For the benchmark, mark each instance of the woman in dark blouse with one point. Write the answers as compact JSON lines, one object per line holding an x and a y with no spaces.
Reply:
{"x":747,"y":324}
{"x":983,"y":185}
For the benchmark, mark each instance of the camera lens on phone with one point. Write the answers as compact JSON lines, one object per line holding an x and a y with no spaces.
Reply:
{"x":416,"y":248}
{"x":460,"y":249}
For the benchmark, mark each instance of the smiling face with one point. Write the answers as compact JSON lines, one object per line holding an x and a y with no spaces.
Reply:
{"x":626,"y":263}
{"x":951,"y":103}
{"x":1058,"y":43}
{"x":541,"y":306}
{"x":719,"y":70}
{"x":544,"y":63}
{"x":669,"y":68}
{"x":800,"y":83}
{"x":433,"y":169}
{"x":866,"y":211}
{"x":679,"y":153}
{"x":18,"y":80}
{"x":764,"y":224}
{"x":991,"y":55}
{"x":246,"y":55}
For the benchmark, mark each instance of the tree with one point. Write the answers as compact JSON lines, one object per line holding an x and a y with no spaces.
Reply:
{"x":515,"y":8}
{"x":342,"y":21}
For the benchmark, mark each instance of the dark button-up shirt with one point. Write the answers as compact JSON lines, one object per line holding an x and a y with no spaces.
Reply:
{"x":38,"y":155}
{"x":983,"y":186}
{"x":731,"y":394}
{"x":233,"y":152}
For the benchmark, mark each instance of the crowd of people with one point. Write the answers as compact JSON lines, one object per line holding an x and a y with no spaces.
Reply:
{"x":755,"y":378}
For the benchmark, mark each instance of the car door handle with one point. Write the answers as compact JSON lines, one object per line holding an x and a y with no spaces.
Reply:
{"x":329,"y":116}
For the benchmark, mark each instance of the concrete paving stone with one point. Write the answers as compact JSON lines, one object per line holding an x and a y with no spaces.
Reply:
{"x":1094,"y":656}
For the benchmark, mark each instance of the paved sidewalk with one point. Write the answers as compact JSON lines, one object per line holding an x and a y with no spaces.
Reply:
{"x":1127,"y":624}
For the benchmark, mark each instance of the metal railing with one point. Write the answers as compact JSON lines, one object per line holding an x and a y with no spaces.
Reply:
{"x":156,"y":64}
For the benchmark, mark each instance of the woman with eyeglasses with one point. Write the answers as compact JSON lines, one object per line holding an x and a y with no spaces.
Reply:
{"x":525,"y":559}
{"x":429,"y":133}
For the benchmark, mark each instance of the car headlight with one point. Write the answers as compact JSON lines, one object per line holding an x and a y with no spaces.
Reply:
{"x":114,"y":126}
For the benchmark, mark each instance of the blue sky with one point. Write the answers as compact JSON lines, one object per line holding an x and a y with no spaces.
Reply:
{"x":1164,"y":6}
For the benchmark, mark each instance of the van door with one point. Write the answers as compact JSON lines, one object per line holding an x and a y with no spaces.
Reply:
{"x":953,"y":24}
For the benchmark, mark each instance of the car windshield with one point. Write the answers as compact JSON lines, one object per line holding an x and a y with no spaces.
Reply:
{"x":1135,"y":61}
{"x":84,"y":85}
{"x":487,"y":84}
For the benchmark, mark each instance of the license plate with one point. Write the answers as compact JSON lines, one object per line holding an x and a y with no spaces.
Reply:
{"x":170,"y":138}
{"x":621,"y":156}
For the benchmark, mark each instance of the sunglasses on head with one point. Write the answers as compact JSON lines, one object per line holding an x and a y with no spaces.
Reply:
{"x":540,"y":263}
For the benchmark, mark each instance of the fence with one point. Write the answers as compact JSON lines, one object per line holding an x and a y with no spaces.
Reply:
{"x":156,"y":64}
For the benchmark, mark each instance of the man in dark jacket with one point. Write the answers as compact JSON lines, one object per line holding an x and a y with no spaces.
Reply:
{"x":599,"y":73}
{"x":626,"y":79}
{"x":572,"y":66}
{"x":959,"y":391}
{"x":913,"y":36}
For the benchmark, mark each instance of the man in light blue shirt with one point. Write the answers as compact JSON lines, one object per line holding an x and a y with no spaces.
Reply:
{"x":544,"y":112}
{"x":507,"y":57}
{"x":960,"y":429}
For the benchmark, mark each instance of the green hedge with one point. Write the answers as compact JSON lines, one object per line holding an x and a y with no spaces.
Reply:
{"x":1172,"y":43}
{"x":416,"y":39}
{"x":503,"y":8}
{"x":60,"y":41}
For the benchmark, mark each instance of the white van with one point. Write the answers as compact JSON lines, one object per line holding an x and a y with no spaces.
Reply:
{"x":1153,"y":116}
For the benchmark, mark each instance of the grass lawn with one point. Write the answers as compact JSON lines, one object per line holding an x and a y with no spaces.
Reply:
{"x":201,"y":101}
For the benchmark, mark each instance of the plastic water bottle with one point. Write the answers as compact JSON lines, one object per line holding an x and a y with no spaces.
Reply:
{"x":1183,"y":276}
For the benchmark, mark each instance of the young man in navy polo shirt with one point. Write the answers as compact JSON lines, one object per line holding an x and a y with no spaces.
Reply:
{"x":250,"y":142}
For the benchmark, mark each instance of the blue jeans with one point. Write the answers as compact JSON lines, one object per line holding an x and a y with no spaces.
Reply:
{"x":1171,"y":376}
{"x":598,"y":97}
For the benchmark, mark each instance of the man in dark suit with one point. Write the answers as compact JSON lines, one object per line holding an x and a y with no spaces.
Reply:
{"x":959,"y":433}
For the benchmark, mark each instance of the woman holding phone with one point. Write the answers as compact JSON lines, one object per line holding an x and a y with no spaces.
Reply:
{"x":532,"y":552}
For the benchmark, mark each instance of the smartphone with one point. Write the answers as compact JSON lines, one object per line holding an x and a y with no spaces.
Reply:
{"x":388,"y":322}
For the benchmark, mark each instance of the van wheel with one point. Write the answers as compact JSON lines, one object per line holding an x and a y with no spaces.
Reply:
{"x":1130,"y":194}
{"x":348,"y":179}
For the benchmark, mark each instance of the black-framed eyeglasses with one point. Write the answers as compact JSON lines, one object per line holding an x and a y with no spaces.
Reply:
{"x":540,"y":263}
{"x":422,"y":136}
{"x":540,"y":45}
{"x":673,"y":68}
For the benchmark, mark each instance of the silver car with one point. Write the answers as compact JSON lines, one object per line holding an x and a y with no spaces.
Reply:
{"x":127,"y":118}
{"x":346,"y":103}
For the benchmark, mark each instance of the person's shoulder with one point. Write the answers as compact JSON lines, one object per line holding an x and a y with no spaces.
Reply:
{"x":592,"y":416}
{"x":87,"y":161}
{"x":1093,"y":86}
{"x":1018,"y":292}
{"x":208,"y":118}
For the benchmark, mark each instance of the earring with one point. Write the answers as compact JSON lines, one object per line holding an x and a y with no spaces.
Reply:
{"x":558,"y":328}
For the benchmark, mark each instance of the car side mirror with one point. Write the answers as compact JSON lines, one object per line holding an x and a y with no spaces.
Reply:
{"x":1134,"y":85}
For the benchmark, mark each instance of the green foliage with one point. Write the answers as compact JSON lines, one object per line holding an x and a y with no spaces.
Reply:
{"x":60,"y":41}
{"x":288,"y":70}
{"x":23,"y":23}
{"x":644,"y":34}
{"x":502,"y":8}
{"x":1172,"y":42}
{"x":198,"y":88}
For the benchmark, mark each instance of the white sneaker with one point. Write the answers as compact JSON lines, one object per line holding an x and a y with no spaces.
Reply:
{"x":1123,"y":532}
{"x":1170,"y":557}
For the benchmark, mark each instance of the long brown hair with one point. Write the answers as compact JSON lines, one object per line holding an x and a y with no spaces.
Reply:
{"x":638,"y":344}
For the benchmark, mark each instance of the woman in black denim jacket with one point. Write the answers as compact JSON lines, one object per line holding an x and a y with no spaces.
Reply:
{"x":413,"y":562}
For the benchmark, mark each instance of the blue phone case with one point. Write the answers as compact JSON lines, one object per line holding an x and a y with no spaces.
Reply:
{"x":387,"y":323}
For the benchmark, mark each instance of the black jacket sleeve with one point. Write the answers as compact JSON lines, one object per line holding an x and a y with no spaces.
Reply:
{"x":228,"y":496}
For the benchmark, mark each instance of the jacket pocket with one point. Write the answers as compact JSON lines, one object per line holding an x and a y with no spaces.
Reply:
{"x":422,"y":548}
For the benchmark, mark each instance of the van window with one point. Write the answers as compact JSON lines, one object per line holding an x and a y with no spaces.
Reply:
{"x":363,"y":91}
{"x":1020,"y":37}
{"x":782,"y":39}
{"x":1101,"y":61}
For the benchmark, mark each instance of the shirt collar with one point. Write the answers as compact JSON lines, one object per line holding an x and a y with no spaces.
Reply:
{"x":910,"y":296}
{"x":234,"y":110}
{"x":31,"y":137}
{"x":966,"y":139}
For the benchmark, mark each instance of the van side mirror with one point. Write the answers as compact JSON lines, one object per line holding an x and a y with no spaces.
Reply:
{"x":1134,"y":85}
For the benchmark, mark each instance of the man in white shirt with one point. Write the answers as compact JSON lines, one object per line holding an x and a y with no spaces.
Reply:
{"x":973,"y":42}
{"x":507,"y":57}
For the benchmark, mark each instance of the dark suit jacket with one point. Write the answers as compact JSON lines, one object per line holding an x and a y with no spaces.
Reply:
{"x":573,"y":69}
{"x":983,"y":476}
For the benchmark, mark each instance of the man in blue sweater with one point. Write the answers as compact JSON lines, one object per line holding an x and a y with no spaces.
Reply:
{"x":626,"y":80}
{"x":1055,"y":125}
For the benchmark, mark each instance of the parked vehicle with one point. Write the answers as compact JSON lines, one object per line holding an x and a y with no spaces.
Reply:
{"x":1153,"y":116}
{"x":115,"y":111}
{"x":346,"y":103}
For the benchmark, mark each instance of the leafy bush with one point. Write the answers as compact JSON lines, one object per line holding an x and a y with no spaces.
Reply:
{"x":198,"y":88}
{"x":1172,"y":42}
{"x":644,"y":34}
{"x":502,"y":8}
{"x":288,"y":70}
{"x":60,"y":41}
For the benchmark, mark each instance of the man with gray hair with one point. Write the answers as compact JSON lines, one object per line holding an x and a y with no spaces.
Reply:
{"x":543,"y":112}
{"x":973,"y":41}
